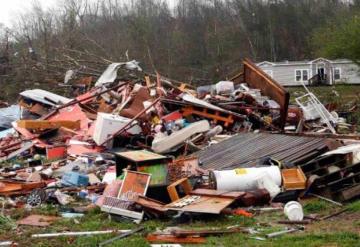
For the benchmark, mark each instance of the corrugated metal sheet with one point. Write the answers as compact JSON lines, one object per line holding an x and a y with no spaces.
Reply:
{"x":244,"y":150}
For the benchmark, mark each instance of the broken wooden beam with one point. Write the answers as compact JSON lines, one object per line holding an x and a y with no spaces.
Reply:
{"x":47,"y":124}
{"x":206,"y":232}
{"x":184,"y":183}
{"x":155,"y":238}
{"x":216,"y":116}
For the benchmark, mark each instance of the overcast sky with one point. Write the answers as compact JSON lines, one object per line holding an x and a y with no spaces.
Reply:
{"x":10,"y":8}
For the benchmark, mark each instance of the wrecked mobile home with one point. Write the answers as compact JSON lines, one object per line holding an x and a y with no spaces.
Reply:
{"x":153,"y":148}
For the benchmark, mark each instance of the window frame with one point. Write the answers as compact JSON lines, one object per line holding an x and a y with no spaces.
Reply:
{"x":301,"y":75}
{"x":339,"y":69}
{"x":296,"y":75}
{"x":307,"y":75}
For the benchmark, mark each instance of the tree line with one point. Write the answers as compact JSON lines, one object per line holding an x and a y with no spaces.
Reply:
{"x":191,"y":40}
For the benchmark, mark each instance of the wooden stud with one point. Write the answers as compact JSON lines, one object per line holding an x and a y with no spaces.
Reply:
{"x":47,"y":124}
{"x":184,"y":183}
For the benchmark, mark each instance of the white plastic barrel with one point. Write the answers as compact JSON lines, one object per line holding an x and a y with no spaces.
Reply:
{"x":294,"y":211}
{"x":244,"y":179}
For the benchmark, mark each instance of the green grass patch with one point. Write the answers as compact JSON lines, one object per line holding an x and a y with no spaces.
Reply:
{"x":312,"y":240}
{"x":354,"y":206}
{"x":317,"y":206}
{"x":341,"y":94}
{"x":265,"y":223}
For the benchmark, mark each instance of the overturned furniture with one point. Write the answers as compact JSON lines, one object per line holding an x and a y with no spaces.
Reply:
{"x":257,"y":78}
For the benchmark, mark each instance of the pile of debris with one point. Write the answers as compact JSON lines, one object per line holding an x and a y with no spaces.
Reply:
{"x":154,"y":148}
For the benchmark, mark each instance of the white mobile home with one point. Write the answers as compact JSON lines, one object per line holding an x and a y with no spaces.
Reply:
{"x":318,"y":71}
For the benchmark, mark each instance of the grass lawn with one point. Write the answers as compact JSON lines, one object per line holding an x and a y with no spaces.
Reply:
{"x":342,"y":230}
{"x":341,"y":94}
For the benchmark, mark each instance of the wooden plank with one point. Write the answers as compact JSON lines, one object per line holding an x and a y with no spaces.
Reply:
{"x":218,"y":193}
{"x":12,"y":187}
{"x":47,"y":124}
{"x":184,"y":183}
{"x":205,"y":204}
{"x":349,"y":193}
{"x":257,"y":78}
{"x":151,"y":204}
{"x":148,"y":82}
{"x":189,"y":110}
{"x":206,"y":232}
{"x":155,"y":238}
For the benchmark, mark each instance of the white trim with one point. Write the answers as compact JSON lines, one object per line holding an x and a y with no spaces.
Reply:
{"x":318,"y":66}
{"x":302,"y":75}
{"x":307,"y":75}
{"x":295,"y":72}
{"x":342,"y":61}
{"x":269,"y":72}
{"x":320,"y":58}
{"x":265,"y":62}
{"x":123,"y":212}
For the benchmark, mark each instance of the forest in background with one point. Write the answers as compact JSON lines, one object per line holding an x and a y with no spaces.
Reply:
{"x":197,"y":41}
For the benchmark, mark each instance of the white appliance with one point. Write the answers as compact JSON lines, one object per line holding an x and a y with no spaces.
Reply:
{"x":108,"y":124}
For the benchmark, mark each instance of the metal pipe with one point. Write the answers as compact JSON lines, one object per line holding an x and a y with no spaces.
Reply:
{"x":49,"y":235}
{"x":123,"y":235}
{"x":75,"y":101}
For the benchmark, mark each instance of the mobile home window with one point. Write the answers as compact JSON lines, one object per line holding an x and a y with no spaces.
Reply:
{"x":337,"y":74}
{"x":298,"y":75}
{"x":305,"y":76}
{"x":301,"y":75}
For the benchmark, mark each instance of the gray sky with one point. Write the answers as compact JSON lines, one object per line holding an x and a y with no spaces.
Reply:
{"x":10,"y":8}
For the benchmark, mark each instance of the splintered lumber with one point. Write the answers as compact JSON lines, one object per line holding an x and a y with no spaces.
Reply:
{"x":206,"y":113}
{"x":47,"y":124}
{"x":77,"y":101}
{"x":206,"y":232}
{"x":155,"y":238}
{"x":184,"y":183}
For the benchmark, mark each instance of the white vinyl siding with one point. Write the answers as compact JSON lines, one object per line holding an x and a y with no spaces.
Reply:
{"x":349,"y":73}
{"x":269,"y":72}
{"x":284,"y":73}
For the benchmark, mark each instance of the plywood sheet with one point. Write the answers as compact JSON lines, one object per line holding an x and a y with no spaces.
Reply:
{"x":205,"y":204}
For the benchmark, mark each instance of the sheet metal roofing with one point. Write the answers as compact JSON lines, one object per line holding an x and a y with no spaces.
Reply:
{"x":244,"y":150}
